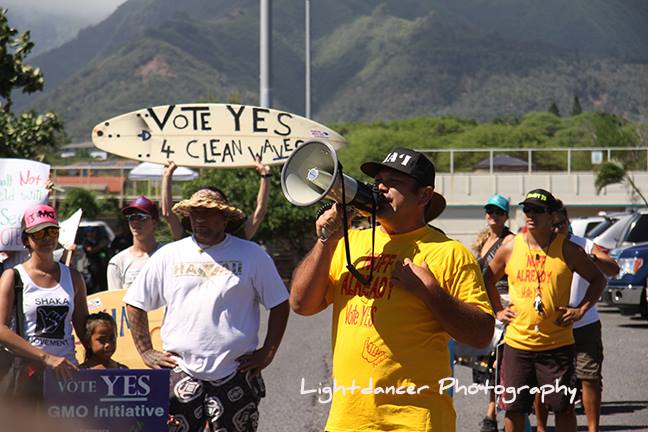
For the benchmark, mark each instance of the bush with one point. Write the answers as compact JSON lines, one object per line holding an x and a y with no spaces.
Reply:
{"x":79,"y":199}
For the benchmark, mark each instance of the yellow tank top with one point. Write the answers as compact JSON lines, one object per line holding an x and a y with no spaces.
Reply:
{"x":531,"y":272}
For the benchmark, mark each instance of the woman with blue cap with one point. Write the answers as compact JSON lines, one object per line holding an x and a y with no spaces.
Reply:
{"x":494,"y":236}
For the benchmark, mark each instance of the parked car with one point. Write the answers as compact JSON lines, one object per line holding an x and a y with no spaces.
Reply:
{"x":623,"y":229}
{"x":627,"y":290}
{"x":582,"y":226}
{"x":103,"y":230}
{"x":98,"y":154}
{"x":95,"y":237}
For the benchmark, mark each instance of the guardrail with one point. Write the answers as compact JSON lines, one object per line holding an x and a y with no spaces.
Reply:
{"x":531,"y":160}
{"x":469,"y":173}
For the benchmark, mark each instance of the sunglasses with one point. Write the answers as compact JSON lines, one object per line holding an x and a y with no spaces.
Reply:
{"x":50,"y":232}
{"x":491,"y":210}
{"x":559,"y":225}
{"x":533,"y":210}
{"x":133,"y":217}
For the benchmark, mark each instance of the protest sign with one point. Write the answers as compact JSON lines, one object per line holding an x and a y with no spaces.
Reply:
{"x":22,"y":184}
{"x":69,"y":228}
{"x":111,"y":400}
{"x":209,"y":135}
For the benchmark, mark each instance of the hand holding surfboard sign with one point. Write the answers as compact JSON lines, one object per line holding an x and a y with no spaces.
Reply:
{"x":209,"y":135}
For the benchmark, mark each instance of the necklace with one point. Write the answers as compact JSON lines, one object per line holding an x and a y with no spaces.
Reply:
{"x":538,"y":305}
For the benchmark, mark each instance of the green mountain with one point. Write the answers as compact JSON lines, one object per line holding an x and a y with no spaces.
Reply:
{"x":372,"y":60}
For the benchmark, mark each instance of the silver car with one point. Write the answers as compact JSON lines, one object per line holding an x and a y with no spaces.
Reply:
{"x":621,"y":229}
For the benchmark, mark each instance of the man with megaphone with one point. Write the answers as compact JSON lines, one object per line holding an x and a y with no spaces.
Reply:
{"x":390,"y":335}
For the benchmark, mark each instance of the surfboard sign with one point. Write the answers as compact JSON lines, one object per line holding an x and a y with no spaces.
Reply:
{"x":209,"y":135}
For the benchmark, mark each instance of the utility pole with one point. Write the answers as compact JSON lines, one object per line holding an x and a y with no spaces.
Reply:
{"x":308,"y":62}
{"x":265,"y":55}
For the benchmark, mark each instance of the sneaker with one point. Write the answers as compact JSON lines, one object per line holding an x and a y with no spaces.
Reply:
{"x":488,"y":425}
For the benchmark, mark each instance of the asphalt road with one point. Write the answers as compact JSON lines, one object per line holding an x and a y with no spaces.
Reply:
{"x":304,"y":357}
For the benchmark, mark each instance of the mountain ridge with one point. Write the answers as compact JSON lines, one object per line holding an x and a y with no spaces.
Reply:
{"x":372,"y":59}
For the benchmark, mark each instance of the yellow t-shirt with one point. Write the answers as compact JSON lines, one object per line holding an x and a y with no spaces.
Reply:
{"x":385,"y":339}
{"x":530,"y":331}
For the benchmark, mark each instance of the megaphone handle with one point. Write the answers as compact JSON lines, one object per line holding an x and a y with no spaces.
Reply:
{"x":323,"y":208}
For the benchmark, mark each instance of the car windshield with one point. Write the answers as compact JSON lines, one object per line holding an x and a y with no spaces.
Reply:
{"x":83,"y":233}
{"x":601,"y":228}
{"x":590,"y":226}
{"x":639,"y":231}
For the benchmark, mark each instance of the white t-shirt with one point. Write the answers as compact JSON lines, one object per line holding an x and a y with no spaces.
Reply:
{"x":48,"y":314}
{"x":579,"y":286}
{"x":212,"y":301}
{"x":124,"y":267}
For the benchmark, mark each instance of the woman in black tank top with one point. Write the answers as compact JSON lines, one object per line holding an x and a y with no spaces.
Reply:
{"x":494,"y":235}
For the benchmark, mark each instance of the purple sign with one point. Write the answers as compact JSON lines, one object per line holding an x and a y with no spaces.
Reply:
{"x":111,"y":400}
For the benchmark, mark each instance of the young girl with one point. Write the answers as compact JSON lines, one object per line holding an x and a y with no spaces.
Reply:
{"x":100,"y":342}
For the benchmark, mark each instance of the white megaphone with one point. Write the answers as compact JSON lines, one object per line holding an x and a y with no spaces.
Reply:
{"x":312,"y":173}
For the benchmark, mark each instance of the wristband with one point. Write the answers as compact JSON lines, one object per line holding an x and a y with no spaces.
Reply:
{"x":266,"y":175}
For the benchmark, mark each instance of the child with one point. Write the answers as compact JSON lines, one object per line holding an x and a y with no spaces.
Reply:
{"x":100,"y":342}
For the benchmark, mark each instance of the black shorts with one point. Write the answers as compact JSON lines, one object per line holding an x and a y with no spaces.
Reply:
{"x":589,"y":351}
{"x":226,"y":404}
{"x":527,"y":373}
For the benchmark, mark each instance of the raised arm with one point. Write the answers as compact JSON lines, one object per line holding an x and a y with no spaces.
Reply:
{"x":166,"y":201}
{"x":311,"y":277}
{"x":252,"y":223}
{"x":49,"y":187}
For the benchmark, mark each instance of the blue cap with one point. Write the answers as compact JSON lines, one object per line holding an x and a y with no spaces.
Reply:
{"x":498,"y":201}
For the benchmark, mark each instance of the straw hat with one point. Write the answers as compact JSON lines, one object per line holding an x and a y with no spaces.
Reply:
{"x":208,"y":199}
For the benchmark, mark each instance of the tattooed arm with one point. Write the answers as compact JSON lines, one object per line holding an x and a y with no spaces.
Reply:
{"x":138,"y":319}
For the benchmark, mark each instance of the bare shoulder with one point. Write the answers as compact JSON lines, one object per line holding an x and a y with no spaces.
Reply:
{"x":77,"y":279}
{"x":507,"y":246}
{"x":7,"y":278}
{"x":508,"y":239}
{"x":572,"y":249}
{"x":574,"y":255}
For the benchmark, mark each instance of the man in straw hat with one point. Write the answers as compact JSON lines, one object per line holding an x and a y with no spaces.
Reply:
{"x":390,"y":337}
{"x":211,"y":285}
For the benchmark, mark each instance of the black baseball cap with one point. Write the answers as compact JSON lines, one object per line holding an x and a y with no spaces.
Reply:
{"x":416,"y":165}
{"x":541,"y":198}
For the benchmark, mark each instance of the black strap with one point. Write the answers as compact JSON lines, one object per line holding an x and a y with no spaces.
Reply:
{"x":345,"y":226}
{"x":18,"y":302}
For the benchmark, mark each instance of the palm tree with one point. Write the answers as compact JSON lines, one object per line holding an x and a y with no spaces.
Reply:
{"x":613,"y":171}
